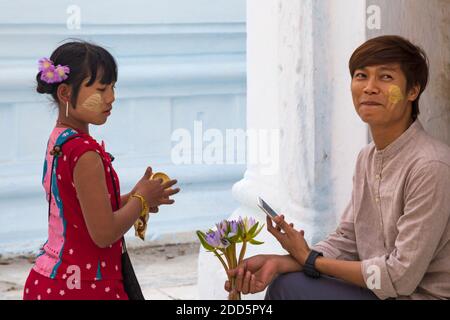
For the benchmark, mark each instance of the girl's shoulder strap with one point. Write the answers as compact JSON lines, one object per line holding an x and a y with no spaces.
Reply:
{"x":68,"y":135}
{"x":64,"y":137}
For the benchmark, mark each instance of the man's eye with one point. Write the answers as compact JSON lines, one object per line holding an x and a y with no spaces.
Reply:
{"x":360,"y":75}
{"x":386,"y":77}
{"x":101,"y":89}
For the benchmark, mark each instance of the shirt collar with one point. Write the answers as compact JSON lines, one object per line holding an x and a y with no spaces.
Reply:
{"x":401,"y":141}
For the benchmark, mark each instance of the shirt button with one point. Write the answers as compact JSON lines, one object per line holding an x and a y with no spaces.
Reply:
{"x":377,"y":199}
{"x":378,"y":177}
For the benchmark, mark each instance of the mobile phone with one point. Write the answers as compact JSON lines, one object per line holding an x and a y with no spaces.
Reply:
{"x":266,"y":208}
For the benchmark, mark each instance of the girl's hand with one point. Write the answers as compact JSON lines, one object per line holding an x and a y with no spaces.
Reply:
{"x":155,"y":192}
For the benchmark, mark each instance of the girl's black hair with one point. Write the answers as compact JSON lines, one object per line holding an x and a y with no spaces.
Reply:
{"x":85,"y":60}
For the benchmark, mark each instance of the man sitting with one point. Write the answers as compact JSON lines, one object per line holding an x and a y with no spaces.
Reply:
{"x":393,"y":240}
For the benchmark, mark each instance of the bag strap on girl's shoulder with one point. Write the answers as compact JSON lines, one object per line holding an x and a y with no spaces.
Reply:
{"x":56,"y":152}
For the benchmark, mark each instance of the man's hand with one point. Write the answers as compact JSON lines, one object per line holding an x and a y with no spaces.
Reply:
{"x":253,"y":274}
{"x":291,"y":240}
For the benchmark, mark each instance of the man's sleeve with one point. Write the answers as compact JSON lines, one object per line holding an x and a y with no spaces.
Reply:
{"x":341,"y":244}
{"x":420,"y":229}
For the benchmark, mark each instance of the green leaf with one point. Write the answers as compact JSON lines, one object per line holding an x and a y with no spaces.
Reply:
{"x":235,"y":239}
{"x":255,"y":242}
{"x":258,"y":231}
{"x":240,"y":231}
{"x":253,"y":229}
{"x":201,"y":236}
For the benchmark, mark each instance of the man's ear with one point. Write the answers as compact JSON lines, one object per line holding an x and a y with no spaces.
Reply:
{"x":64,"y":92}
{"x":414,"y":93}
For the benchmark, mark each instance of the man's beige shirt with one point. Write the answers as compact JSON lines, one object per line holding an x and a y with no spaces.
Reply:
{"x":397,"y":222}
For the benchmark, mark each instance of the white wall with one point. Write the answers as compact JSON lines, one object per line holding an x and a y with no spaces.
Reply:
{"x":297,"y":82}
{"x":179,"y":61}
{"x":425,"y":23}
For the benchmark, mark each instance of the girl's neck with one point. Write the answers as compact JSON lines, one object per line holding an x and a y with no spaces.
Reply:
{"x":73,"y":124}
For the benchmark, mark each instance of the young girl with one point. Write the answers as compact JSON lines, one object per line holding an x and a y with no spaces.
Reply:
{"x":87,"y":216}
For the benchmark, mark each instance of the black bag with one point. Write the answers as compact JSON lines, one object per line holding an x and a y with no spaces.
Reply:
{"x":130,"y":282}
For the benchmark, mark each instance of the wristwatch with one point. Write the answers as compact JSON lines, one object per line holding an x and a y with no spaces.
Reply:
{"x":309,"y":268}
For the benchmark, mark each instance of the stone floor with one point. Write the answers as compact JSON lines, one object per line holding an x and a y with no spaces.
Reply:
{"x":165,"y":272}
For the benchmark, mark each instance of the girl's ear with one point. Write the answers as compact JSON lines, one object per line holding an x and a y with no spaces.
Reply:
{"x":64,"y":92}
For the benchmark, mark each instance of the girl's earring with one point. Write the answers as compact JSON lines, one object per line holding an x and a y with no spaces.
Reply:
{"x":67,"y":109}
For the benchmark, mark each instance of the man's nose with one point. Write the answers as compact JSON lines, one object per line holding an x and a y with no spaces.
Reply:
{"x":371,"y":86}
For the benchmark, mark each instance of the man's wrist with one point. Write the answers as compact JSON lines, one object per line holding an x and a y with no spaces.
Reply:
{"x":304,"y":257}
{"x":301,"y":257}
{"x":310,"y":264}
{"x":291,"y":264}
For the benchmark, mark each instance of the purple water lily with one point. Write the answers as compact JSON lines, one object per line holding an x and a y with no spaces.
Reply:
{"x":247,"y":223}
{"x":215,"y":240}
{"x":234,"y":225}
{"x":223,"y":243}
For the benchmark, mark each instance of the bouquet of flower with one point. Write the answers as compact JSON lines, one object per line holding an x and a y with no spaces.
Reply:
{"x":222,"y":242}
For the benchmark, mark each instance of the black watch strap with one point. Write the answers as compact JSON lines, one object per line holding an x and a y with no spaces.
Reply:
{"x":309,"y":268}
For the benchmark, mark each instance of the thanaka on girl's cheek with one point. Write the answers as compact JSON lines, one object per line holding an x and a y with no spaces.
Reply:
{"x":93,"y":103}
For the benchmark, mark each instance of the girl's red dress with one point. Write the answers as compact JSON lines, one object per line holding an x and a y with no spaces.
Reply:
{"x":70,"y":265}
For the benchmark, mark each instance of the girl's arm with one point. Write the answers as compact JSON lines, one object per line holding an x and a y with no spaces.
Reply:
{"x":124,"y":199}
{"x":104,"y":227}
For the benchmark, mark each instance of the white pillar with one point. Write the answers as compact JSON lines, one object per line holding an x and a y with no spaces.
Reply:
{"x":298,"y":83}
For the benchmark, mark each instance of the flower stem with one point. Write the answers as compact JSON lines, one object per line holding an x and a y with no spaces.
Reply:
{"x":221,"y":261}
{"x":231,"y":253}
{"x":243,"y":249}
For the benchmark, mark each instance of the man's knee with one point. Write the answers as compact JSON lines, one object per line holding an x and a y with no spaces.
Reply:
{"x":284,"y":286}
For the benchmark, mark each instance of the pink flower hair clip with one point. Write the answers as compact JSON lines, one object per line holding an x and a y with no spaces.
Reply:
{"x":52,"y":74}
